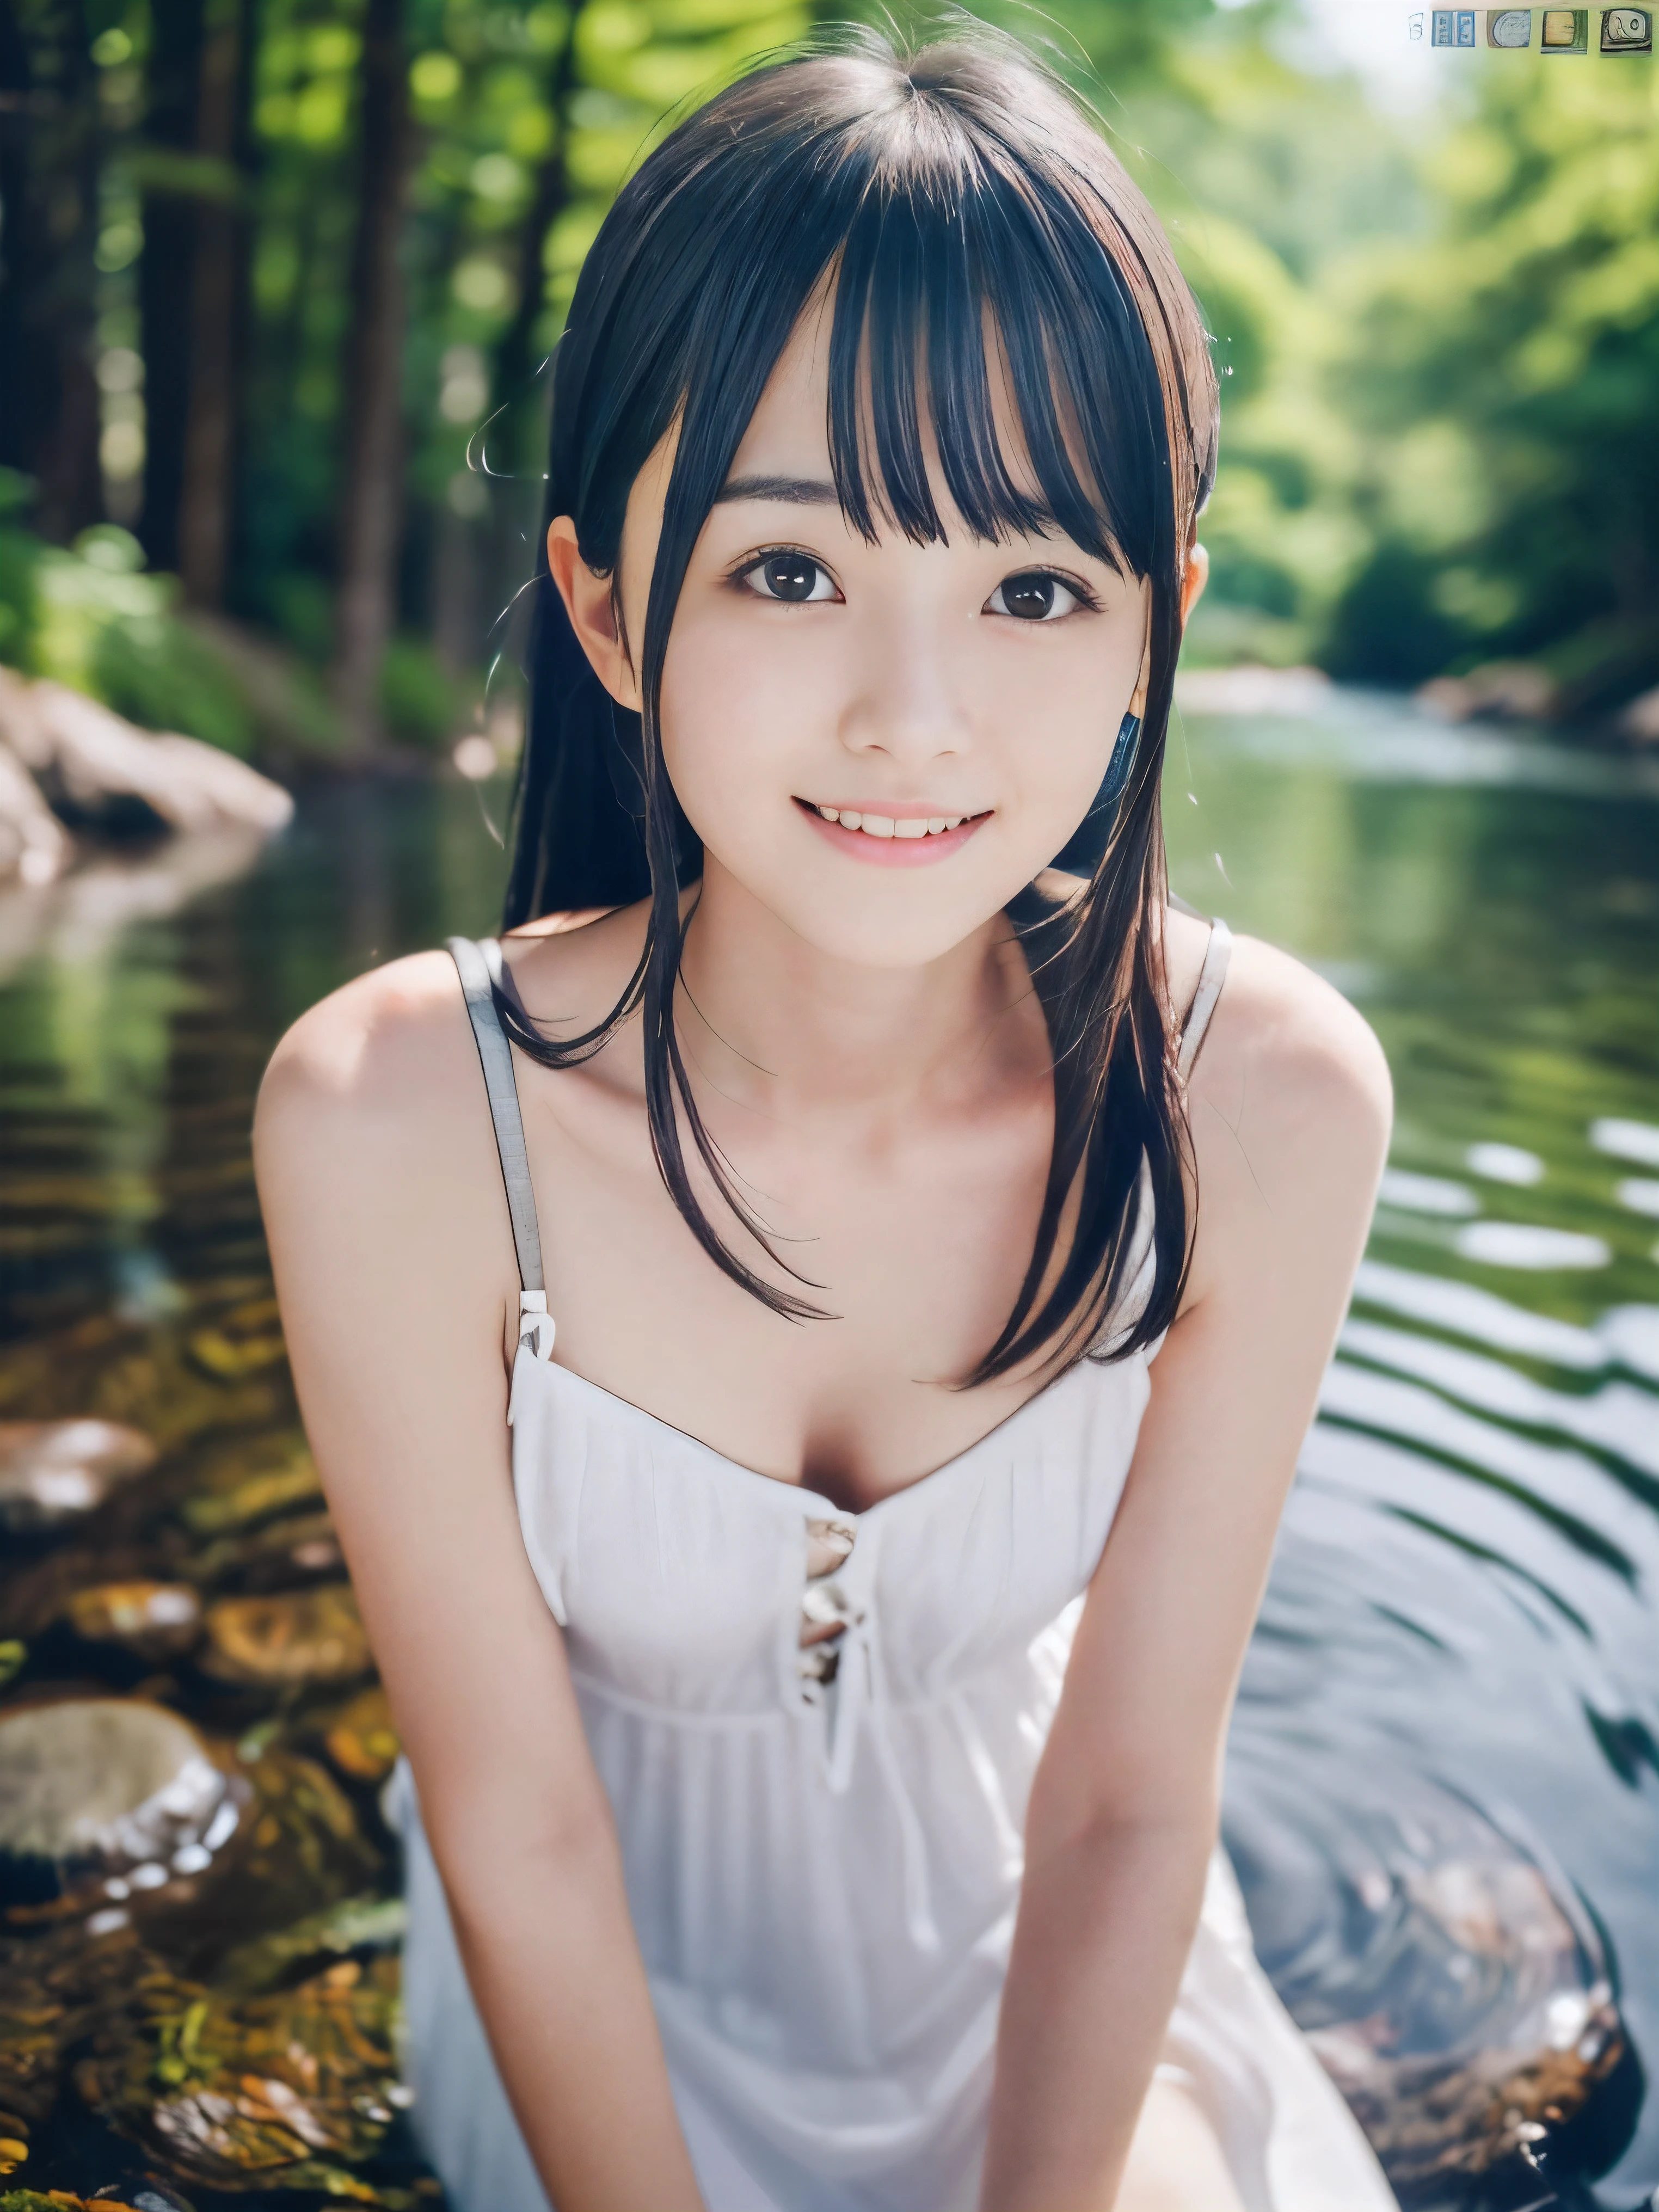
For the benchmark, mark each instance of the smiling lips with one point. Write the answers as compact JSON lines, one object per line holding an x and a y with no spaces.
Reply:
{"x":893,"y":840}
{"x":892,"y":825}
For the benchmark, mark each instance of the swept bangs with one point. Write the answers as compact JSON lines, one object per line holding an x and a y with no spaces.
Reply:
{"x":946,"y":282}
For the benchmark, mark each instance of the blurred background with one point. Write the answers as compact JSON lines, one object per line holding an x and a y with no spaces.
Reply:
{"x":278,"y":280}
{"x":270,"y":265}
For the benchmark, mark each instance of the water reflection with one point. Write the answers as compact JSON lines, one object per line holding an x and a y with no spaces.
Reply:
{"x":1455,"y":1667}
{"x":1444,"y":1786}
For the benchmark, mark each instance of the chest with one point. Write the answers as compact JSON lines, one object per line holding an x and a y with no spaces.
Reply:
{"x":912,"y":1242}
{"x":678,"y":1575}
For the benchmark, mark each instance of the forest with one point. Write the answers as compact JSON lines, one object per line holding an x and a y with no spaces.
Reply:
{"x":268,"y":267}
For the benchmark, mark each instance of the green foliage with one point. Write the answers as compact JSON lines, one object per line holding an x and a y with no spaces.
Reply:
{"x":422,"y":703}
{"x":1438,"y":363}
{"x":526,"y":118}
{"x":89,"y":618}
{"x":1502,"y":378}
{"x":1438,"y":342}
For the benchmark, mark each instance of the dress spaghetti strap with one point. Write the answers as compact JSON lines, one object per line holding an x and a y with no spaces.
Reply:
{"x":1210,"y":977}
{"x":479,"y":966}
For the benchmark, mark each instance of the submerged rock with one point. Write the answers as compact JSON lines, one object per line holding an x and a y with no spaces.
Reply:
{"x":279,"y":1882}
{"x":52,"y":1472}
{"x":1428,"y":2118}
{"x":152,"y":1621}
{"x":243,"y":1341}
{"x":40,"y":1593}
{"x":57,"y":1989}
{"x":361,"y":1739}
{"x":293,"y":1639}
{"x":283,"y":1843}
{"x":140,"y":1375}
{"x":1493,"y":1926}
{"x":276,"y":2091}
{"x":367,"y":1922}
{"x":110,"y":1789}
{"x":301,"y":1546}
{"x":255,"y":1497}
{"x":1452,"y":1989}
{"x":59,"y":2200}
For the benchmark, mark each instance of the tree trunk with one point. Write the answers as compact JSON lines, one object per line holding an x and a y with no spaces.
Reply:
{"x":15,"y":89}
{"x":208,"y":489}
{"x":49,"y":404}
{"x":165,"y":277}
{"x":517,"y":353}
{"x":372,"y":504}
{"x":456,"y":633}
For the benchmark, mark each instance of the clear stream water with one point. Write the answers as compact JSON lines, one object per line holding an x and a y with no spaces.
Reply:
{"x":1443,"y":1787}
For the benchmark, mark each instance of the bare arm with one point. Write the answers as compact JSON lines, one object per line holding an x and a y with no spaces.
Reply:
{"x":1290,"y":1120}
{"x":389,"y":1233}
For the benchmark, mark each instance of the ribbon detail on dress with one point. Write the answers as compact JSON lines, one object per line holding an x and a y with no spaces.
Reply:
{"x":842,"y":1675}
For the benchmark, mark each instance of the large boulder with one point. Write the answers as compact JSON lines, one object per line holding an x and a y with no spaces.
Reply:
{"x":96,"y":759}
{"x":60,"y":749}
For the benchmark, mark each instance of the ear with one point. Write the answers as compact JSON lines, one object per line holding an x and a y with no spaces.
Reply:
{"x":1193,"y":583}
{"x":1195,"y":577}
{"x":590,"y":602}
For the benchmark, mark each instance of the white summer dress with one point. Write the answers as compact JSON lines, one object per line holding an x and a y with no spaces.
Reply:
{"x":823,"y":1875}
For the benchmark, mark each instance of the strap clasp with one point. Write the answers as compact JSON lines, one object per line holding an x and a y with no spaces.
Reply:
{"x":536,"y":1324}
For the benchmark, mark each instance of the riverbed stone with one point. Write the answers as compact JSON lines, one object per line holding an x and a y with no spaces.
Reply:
{"x":53,"y":1472}
{"x":289,"y":1640}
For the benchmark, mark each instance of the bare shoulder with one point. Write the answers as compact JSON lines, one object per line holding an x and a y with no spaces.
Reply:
{"x":1295,"y":1041}
{"x":389,"y":1049}
{"x":378,"y":1176}
{"x":1289,"y":1103}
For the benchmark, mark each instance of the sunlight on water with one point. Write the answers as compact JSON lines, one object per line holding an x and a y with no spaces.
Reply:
{"x":1443,"y":1788}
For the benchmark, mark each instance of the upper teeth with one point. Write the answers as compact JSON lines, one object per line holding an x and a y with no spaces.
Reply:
{"x":885,"y":825}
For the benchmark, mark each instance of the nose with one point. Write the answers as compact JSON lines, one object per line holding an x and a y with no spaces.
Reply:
{"x":906,"y":700}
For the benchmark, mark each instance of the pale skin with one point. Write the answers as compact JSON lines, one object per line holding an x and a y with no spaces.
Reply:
{"x":869,"y":1054}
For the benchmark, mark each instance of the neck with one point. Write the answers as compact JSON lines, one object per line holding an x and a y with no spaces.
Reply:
{"x":774,"y":1024}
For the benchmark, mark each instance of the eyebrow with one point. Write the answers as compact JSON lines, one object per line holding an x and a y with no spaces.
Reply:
{"x":792,"y":491}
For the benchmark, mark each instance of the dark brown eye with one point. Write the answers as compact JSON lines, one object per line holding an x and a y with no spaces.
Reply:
{"x":1038,"y":595}
{"x":790,"y":576}
{"x":1030,"y":596}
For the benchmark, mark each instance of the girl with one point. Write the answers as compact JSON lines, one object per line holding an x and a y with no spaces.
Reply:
{"x":818,"y":1714}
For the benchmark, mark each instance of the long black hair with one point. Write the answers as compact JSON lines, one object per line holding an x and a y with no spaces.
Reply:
{"x":945,"y":192}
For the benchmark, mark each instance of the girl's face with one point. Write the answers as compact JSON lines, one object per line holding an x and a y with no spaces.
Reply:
{"x":882,"y":744}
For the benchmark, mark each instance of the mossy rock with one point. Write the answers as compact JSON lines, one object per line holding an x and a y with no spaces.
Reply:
{"x":290,"y":2090}
{"x":295,"y":1639}
{"x":152,"y":1621}
{"x":56,"y":1990}
{"x":58,"y":2200}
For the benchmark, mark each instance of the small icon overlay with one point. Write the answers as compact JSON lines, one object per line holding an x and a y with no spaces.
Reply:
{"x":1560,"y":31}
{"x":1627,"y":31}
{"x":1565,"y":31}
{"x":1509,"y":27}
